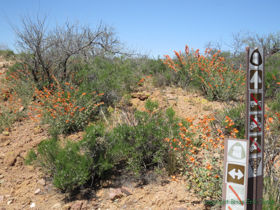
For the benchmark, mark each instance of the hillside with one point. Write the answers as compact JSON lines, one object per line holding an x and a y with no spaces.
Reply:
{"x":24,"y":186}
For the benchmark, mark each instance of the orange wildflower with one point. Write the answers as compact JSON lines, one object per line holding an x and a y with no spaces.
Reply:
{"x":209,"y":167}
{"x":192,"y":159}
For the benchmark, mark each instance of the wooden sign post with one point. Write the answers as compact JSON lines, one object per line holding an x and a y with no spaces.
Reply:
{"x":255,"y":125}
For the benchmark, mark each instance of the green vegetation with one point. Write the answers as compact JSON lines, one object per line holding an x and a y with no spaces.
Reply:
{"x":71,"y":92}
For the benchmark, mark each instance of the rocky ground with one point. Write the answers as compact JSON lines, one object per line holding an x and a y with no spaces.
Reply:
{"x":26,"y":187}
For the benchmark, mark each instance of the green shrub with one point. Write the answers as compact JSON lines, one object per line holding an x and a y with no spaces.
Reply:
{"x":103,"y":152}
{"x":114,"y":79}
{"x":68,"y":166}
{"x":72,"y":168}
{"x":204,"y":183}
{"x":30,"y":157}
{"x":7,"y":53}
{"x":200,"y":158}
{"x":143,"y":143}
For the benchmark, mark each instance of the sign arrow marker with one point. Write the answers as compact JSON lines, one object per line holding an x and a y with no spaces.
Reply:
{"x":239,"y":174}
{"x":256,"y":79}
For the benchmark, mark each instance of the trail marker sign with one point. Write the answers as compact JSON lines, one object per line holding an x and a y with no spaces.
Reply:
{"x":254,"y":130}
{"x":236,"y":157}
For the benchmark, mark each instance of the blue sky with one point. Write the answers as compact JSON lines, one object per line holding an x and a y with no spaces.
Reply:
{"x":154,"y":26}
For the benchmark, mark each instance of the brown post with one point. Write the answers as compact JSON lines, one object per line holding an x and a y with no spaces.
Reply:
{"x":254,"y":129}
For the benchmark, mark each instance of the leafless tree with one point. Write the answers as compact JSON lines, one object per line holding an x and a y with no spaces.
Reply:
{"x":271,"y":42}
{"x":215,"y":46}
{"x":238,"y":43}
{"x":50,"y":52}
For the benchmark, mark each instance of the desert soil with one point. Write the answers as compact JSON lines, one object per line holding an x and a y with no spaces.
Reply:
{"x":26,"y":187}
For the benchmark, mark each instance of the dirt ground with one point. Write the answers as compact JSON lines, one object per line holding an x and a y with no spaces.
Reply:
{"x":23,"y":187}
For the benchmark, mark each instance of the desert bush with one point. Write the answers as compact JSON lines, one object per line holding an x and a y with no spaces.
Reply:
{"x":12,"y":109}
{"x":75,"y":163}
{"x":66,"y":112}
{"x":143,"y":142}
{"x":212,"y":74}
{"x":18,"y":78}
{"x":30,"y":157}
{"x":114,"y":79}
{"x":200,"y":156}
{"x":103,"y":152}
{"x":67,"y":165}
{"x":7,"y":54}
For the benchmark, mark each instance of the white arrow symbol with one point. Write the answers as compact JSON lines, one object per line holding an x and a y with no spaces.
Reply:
{"x":256,"y":79}
{"x":238,"y":174}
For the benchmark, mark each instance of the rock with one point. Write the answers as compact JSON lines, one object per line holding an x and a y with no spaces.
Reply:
{"x":10,"y":158}
{"x":9,"y":202}
{"x":37,"y":191}
{"x":126,"y":191}
{"x":115,"y":193}
{"x":77,"y":205}
{"x":1,"y":176}
{"x":141,"y":96}
{"x":32,"y":205}
{"x":1,"y":198}
{"x":67,"y":207}
{"x":2,"y":181}
{"x":56,"y":206}
{"x":42,"y":182}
